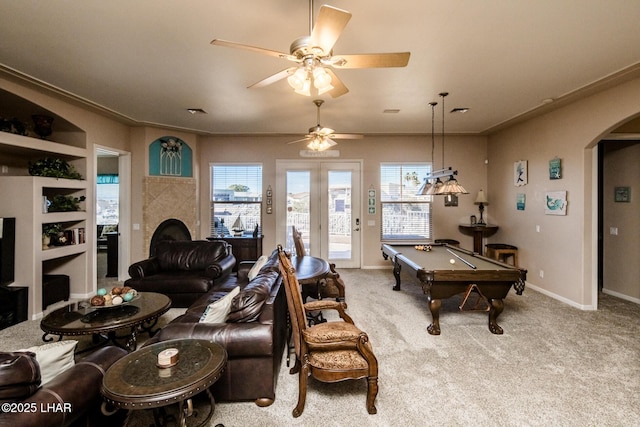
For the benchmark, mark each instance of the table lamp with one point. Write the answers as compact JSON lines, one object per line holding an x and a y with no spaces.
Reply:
{"x":481,"y":200}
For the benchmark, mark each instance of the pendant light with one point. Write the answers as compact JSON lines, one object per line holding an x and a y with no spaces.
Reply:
{"x":451,"y":186}
{"x":426,"y":183}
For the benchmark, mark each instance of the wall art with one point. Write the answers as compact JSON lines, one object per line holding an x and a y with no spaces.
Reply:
{"x":555,"y":203}
{"x":520,"y":173}
{"x":170,"y":156}
{"x":555,"y":168}
{"x":520,"y":201}
{"x":622,"y":194}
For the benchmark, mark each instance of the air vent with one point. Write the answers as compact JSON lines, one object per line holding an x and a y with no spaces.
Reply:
{"x":391,"y":111}
{"x":196,"y":111}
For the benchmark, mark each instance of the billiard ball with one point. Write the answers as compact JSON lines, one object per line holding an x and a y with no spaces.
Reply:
{"x":452,"y":261}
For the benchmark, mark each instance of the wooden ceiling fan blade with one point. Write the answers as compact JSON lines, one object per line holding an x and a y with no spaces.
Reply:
{"x":274,"y":78}
{"x":339,"y":88}
{"x":346,"y":136}
{"x":298,"y":140}
{"x":328,"y":27}
{"x":371,"y":60}
{"x":325,"y":132}
{"x":260,"y":50}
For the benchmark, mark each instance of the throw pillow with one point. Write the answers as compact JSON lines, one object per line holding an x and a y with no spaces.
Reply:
{"x":54,"y":358}
{"x":256,"y":267}
{"x":217,"y":311}
{"x":19,"y":375}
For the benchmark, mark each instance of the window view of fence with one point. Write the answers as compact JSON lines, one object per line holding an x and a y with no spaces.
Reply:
{"x":236,"y":199}
{"x":405,"y":216}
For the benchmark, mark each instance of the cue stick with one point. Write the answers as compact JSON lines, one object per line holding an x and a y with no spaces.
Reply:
{"x":461,"y":259}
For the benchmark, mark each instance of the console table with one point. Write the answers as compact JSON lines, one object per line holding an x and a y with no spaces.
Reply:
{"x":244,"y":248}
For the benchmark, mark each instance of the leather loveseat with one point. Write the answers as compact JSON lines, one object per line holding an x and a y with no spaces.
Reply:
{"x":183,"y":269}
{"x":71,"y":398}
{"x":254,"y":333}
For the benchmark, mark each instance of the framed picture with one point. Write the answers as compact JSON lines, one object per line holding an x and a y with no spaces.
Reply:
{"x":555,"y":203}
{"x":555,"y":168}
{"x":520,"y":173}
{"x":622,"y":194}
{"x":520,"y":201}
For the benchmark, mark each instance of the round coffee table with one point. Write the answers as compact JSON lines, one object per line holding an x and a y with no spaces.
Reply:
{"x":81,"y":318}
{"x":136,"y":382}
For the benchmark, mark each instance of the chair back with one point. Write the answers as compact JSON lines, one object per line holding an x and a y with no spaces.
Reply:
{"x":295,"y":304}
{"x":297,"y":240}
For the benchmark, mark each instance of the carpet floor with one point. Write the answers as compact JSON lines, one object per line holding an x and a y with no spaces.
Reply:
{"x":554,"y":365}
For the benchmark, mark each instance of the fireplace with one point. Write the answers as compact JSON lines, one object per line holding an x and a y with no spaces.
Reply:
{"x":170,"y":229}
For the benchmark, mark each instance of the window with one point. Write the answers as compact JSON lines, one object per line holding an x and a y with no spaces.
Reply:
{"x":405,"y":216}
{"x":236,"y":198}
{"x":107,"y":199}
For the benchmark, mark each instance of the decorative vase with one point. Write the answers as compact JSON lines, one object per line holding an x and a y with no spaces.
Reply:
{"x":42,"y":125}
{"x":46,"y":241}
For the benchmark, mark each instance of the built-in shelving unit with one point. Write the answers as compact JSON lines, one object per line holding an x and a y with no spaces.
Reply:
{"x":22,"y":196}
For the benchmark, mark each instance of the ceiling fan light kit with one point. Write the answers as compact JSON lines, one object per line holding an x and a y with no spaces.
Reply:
{"x":321,"y":138}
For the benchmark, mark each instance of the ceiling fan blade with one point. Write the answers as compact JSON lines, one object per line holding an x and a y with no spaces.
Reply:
{"x":298,"y":140}
{"x":371,"y":60}
{"x":274,"y":78}
{"x":325,"y":132}
{"x":277,"y":54}
{"x":328,"y":27}
{"x":346,"y":136}
{"x":339,"y":88}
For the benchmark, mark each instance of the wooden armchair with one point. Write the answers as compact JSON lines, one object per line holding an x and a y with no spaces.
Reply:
{"x":331,"y":351}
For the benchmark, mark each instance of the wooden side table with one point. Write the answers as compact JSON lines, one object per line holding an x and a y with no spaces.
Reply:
{"x":478,"y":232}
{"x":136,"y":382}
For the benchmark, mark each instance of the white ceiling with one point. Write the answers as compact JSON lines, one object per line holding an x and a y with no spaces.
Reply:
{"x":150,"y":60}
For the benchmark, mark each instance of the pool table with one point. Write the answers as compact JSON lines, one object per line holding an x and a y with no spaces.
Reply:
{"x":445,"y":271}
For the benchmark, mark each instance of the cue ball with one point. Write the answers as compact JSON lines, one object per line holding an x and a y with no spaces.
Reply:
{"x":452,"y":261}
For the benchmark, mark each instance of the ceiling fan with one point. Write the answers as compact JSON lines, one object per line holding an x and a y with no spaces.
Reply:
{"x":321,"y":138}
{"x":315,"y":59}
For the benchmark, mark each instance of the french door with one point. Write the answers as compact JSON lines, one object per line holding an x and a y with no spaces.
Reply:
{"x":323,"y":203}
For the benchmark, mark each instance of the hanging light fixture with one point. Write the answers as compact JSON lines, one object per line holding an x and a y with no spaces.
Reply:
{"x":451,"y":186}
{"x":437,"y":188}
{"x":426,"y":183}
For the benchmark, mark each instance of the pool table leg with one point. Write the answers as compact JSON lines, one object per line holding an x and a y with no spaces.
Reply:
{"x":434,"y":307}
{"x":396,"y":274}
{"x":497,"y":305}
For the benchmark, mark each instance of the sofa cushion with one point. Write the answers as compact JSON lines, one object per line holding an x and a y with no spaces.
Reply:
{"x":54,"y":358}
{"x":169,"y":283}
{"x":247,"y":306}
{"x":217,"y":311}
{"x":257,"y":267}
{"x":189,"y":255}
{"x":19,"y":375}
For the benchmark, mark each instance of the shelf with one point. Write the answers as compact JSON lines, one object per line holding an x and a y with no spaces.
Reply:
{"x":26,"y":145}
{"x":63,"y":251}
{"x":73,"y":216}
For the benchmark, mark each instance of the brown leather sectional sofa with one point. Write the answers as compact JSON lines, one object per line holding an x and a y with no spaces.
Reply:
{"x":72,"y":396}
{"x":254,"y":334}
{"x":183,"y":270}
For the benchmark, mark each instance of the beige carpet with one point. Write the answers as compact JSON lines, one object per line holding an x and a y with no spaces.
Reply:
{"x":554,"y":365}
